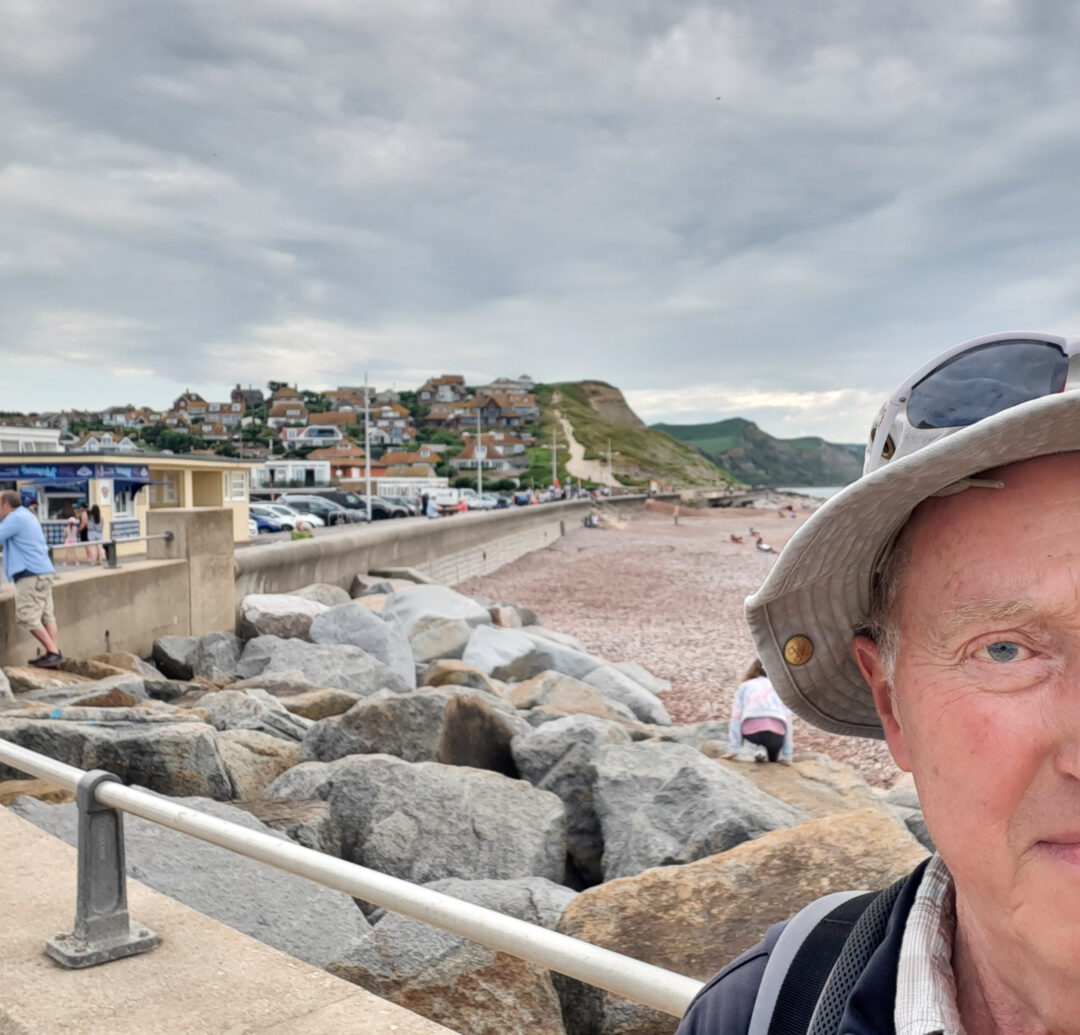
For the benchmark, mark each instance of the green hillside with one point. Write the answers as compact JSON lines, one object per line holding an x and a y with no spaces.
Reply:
{"x":598,"y":412}
{"x":755,"y":457}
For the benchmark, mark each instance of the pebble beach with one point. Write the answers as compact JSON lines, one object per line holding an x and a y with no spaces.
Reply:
{"x":668,"y":594}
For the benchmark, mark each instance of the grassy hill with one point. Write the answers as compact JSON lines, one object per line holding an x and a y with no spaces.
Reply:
{"x":598,"y":412}
{"x":755,"y":457}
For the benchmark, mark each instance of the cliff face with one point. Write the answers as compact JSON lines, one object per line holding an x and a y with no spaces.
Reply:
{"x":753,"y":456}
{"x":598,"y":412}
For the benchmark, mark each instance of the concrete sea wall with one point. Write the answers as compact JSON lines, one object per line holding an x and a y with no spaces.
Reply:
{"x":191,"y":584}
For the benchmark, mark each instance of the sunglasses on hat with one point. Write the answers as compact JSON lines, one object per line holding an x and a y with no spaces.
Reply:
{"x":970,"y":382}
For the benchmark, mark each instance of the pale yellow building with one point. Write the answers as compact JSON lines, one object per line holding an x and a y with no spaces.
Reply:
{"x":125,"y":486}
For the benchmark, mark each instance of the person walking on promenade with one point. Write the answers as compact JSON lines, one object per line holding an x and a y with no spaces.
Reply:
{"x":760,"y":717}
{"x":27,"y":565}
{"x":94,"y":534}
{"x":935,"y":603}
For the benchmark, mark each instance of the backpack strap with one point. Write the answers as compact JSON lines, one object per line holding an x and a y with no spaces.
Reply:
{"x":801,"y":960}
{"x":867,"y":934}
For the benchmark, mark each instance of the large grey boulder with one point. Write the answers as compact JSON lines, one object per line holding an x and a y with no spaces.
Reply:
{"x":566,"y":695}
{"x":440,"y":975}
{"x":292,"y":914}
{"x":255,"y":759}
{"x":558,"y":757}
{"x":423,"y":821}
{"x":337,"y":666}
{"x":277,"y":614}
{"x":410,"y":604}
{"x":113,"y":691}
{"x":434,"y":638}
{"x":381,"y":637}
{"x":517,"y":654}
{"x":617,"y":686}
{"x":253,"y":710}
{"x":561,"y":638}
{"x":696,"y":734}
{"x":175,"y":656}
{"x":452,"y":725}
{"x":643,"y":677}
{"x":166,"y":756}
{"x":216,"y":657}
{"x":307,"y":822}
{"x":324,"y":593}
{"x":662,"y":803}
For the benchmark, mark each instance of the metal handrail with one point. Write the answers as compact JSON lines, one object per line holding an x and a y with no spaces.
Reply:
{"x":621,"y":975}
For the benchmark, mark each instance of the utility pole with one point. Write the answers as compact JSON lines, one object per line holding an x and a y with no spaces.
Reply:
{"x":609,"y":479}
{"x":554,"y":457}
{"x":479,"y":452}
{"x":367,"y":448}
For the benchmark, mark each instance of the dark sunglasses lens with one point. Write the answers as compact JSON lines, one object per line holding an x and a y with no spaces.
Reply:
{"x":986,"y":380}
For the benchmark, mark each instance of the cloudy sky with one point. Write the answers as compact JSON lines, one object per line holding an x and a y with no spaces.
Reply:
{"x":767,"y":208}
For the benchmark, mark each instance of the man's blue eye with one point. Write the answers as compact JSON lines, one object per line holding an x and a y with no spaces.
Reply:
{"x":1004,"y":650}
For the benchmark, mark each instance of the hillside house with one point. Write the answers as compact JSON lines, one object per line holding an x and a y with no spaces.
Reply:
{"x":177,"y":420}
{"x":193,"y":404}
{"x":446,"y":389}
{"x":337,"y":419}
{"x":285,"y":393}
{"x":228,"y":413}
{"x":311,"y":435}
{"x":214,"y":431}
{"x":506,"y":385}
{"x":249,"y":398}
{"x":104,"y":442}
{"x":493,"y":451}
{"x":19,"y":437}
{"x":288,"y":411}
{"x":424,"y":455}
{"x":346,"y":460}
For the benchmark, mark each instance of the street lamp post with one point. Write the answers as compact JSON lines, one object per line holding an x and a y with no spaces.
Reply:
{"x":367,"y":448}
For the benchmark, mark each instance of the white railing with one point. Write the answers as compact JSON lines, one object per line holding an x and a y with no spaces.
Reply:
{"x":621,"y":975}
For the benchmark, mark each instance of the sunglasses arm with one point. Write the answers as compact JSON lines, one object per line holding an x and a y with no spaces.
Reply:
{"x":884,"y":428}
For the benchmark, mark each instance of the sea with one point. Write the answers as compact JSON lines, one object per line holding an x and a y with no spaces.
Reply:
{"x":821,"y":492}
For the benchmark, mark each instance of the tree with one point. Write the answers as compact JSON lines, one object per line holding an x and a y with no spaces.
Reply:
{"x":315,"y":402}
{"x":273,"y":386}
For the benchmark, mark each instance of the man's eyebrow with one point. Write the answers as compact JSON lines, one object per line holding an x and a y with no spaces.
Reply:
{"x":943,"y":625}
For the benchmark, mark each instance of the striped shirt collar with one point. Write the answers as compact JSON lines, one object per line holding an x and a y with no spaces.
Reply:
{"x":925,"y":984}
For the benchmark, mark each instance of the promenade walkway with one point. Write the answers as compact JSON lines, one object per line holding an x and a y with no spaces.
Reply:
{"x":204,"y":978}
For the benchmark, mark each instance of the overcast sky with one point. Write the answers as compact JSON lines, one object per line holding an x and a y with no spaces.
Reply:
{"x":758,"y":208}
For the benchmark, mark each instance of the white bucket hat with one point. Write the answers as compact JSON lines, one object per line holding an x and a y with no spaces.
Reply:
{"x":807,"y":611}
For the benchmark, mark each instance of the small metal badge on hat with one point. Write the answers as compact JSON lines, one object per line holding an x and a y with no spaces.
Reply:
{"x":798,"y":650}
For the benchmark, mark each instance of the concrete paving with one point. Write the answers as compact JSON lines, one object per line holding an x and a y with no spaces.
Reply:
{"x":205,"y":977}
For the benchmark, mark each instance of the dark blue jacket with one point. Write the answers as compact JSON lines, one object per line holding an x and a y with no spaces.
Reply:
{"x":725,"y":1004}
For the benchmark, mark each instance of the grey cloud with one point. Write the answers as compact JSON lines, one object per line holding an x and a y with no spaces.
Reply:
{"x":217,"y":192}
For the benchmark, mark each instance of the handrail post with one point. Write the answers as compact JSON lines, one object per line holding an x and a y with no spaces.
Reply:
{"x":103,"y":931}
{"x":110,"y":554}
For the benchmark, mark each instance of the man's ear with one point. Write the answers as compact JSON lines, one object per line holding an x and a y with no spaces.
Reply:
{"x":868,"y":658}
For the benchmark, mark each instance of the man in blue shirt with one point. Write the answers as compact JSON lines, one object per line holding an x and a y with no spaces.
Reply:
{"x":27,"y":565}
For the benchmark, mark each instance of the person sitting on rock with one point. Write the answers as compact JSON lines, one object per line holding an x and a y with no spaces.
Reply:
{"x":759,"y":717}
{"x":936,"y":603}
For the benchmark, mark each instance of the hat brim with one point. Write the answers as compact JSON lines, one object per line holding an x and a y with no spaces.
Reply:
{"x":820,"y":586}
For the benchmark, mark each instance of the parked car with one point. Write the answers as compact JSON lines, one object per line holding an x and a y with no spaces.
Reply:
{"x":411,"y":508}
{"x":380,"y":508}
{"x":269,"y":520}
{"x":331,"y":512}
{"x":265,"y":525}
{"x":487,"y":501}
{"x":289,"y":517}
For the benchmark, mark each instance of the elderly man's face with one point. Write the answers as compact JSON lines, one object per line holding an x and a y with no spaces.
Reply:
{"x":986,"y":704}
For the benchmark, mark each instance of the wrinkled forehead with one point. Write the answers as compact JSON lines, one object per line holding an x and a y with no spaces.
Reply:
{"x":1038,"y":501}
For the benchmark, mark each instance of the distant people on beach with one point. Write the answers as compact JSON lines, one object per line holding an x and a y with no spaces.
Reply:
{"x":759,"y":717}
{"x":735,"y":538}
{"x":763,"y":546}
